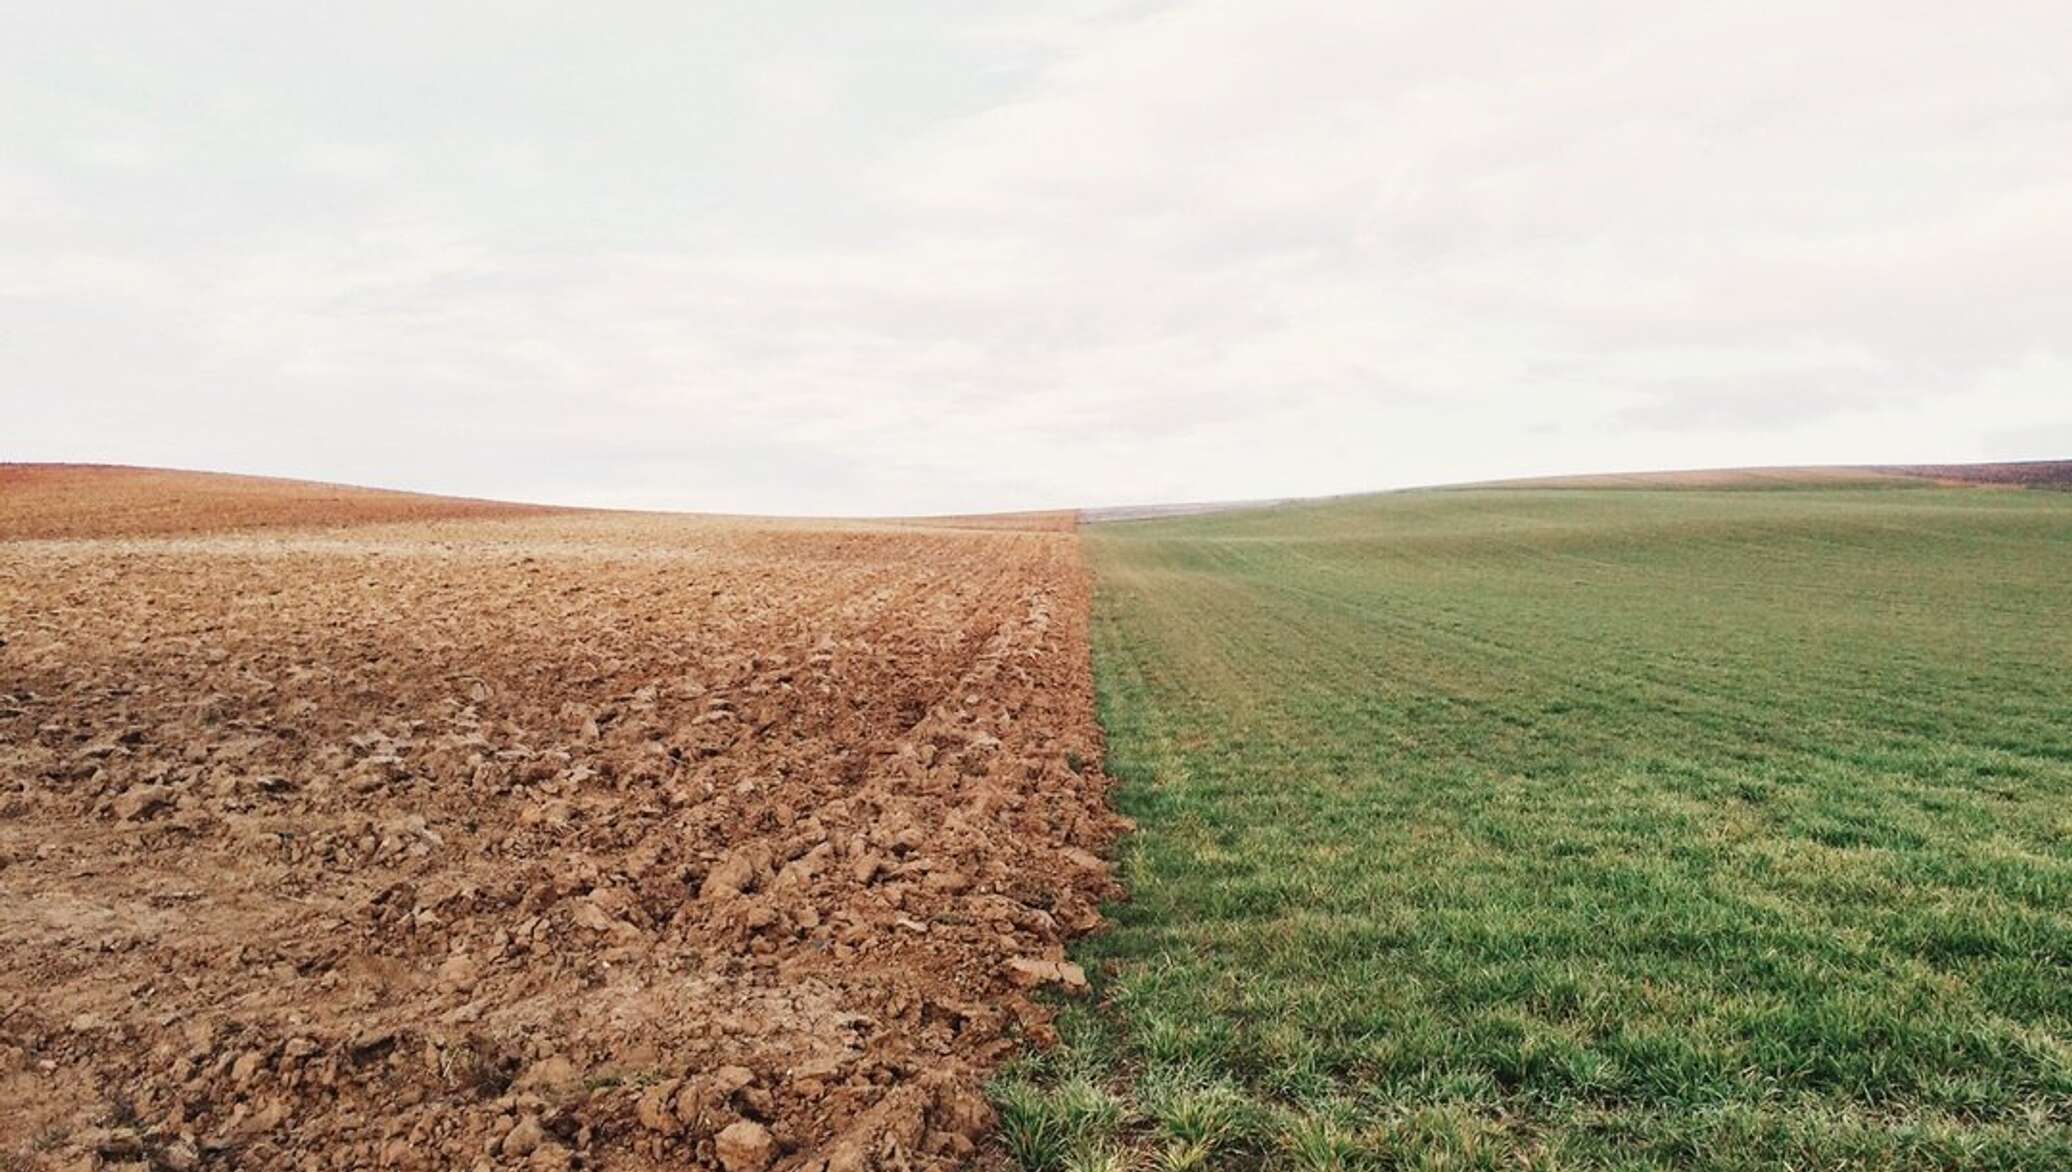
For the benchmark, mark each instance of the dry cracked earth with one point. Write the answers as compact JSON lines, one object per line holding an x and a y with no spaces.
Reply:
{"x":357,"y":830}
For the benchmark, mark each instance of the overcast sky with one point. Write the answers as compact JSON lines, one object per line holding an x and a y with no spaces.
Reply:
{"x":879,"y":257}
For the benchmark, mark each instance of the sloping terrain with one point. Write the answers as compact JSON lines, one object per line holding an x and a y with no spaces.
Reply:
{"x":2020,"y":474}
{"x":97,"y":500}
{"x":2014,"y":474}
{"x":1193,"y":509}
{"x":559,"y":840}
{"x":1582,"y":829}
{"x":1728,"y":478}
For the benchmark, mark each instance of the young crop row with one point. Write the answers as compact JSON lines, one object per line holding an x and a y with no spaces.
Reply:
{"x":1578,"y":829}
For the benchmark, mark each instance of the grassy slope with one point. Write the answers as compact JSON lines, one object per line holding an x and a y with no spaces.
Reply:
{"x":1585,"y":829}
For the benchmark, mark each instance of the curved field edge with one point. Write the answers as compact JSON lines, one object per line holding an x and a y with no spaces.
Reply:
{"x":70,"y":501}
{"x":1574,"y":829}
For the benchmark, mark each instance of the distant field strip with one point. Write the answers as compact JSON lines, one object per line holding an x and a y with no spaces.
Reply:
{"x":1583,"y":829}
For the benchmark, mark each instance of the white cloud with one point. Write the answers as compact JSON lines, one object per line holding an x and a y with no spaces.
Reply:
{"x":786,"y":90}
{"x":138,"y":151}
{"x":350,"y":162}
{"x":904,"y":262}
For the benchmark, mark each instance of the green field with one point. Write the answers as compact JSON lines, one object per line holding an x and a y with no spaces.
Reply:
{"x":1582,"y":829}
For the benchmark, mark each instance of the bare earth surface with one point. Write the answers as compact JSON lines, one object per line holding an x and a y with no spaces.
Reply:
{"x":2021,"y":474}
{"x":556,"y":840}
{"x":97,"y":500}
{"x":2017,"y":474}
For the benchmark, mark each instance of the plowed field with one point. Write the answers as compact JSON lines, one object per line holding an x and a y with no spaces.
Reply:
{"x":98,"y":500}
{"x":551,"y":840}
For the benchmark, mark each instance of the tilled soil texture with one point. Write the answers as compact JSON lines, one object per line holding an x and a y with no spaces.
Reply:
{"x":99,"y":500}
{"x":577,"y":840}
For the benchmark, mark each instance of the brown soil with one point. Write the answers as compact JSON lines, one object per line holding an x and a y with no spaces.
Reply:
{"x":2022,"y":474}
{"x":100,"y":500}
{"x":2032,"y":473}
{"x":569,"y":840}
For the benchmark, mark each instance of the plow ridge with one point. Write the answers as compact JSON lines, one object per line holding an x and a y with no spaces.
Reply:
{"x":575,"y":840}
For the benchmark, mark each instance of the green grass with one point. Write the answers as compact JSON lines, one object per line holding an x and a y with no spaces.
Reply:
{"x":1573,"y":829}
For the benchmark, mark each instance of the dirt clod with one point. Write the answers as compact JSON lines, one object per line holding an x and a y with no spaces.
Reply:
{"x":415,"y":843}
{"x":524,"y":1136}
{"x":1030,"y":972}
{"x":141,"y":802}
{"x":745,"y":1147}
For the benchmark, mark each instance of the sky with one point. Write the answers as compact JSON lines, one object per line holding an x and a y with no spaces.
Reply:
{"x":914,"y":258}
